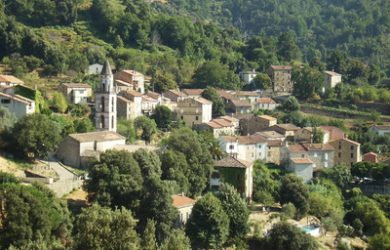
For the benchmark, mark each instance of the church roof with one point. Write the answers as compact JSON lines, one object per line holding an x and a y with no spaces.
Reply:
{"x":106,"y":68}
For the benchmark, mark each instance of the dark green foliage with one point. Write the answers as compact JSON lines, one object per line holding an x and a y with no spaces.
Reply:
{"x":148,"y":241}
{"x":177,"y":241}
{"x":208,"y":225}
{"x":308,"y":82}
{"x":102,"y":228}
{"x":284,"y":236}
{"x":126,"y":129}
{"x":163,"y":117}
{"x":293,"y":190}
{"x":339,"y":174}
{"x":383,"y":201}
{"x":31,"y":213}
{"x":261,"y":81}
{"x":235,"y":208}
{"x":197,"y":155}
{"x":163,"y":81}
{"x":211,"y":94}
{"x":36,"y":135}
{"x":175,"y":168}
{"x":290,"y":104}
{"x":379,"y":241}
{"x":215,"y":74}
{"x":149,"y":163}
{"x":265,"y":185}
{"x":83,"y":125}
{"x":116,"y":180}
{"x":146,"y":126}
{"x":156,"y":204}
{"x":7,"y":178}
{"x":7,"y":119}
{"x":376,"y":171}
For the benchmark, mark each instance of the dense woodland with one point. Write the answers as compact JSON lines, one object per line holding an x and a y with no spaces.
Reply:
{"x":203,"y":44}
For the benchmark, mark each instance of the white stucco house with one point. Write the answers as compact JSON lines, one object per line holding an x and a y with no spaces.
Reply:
{"x":184,"y":207}
{"x":77,"y":93}
{"x":248,"y":148}
{"x":17,"y":104}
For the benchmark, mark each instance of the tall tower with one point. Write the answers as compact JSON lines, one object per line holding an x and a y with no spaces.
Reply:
{"x":105,"y":103}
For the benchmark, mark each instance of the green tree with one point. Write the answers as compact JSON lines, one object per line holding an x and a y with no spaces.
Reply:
{"x":7,"y":119}
{"x":308,"y":82}
{"x":261,"y":81}
{"x":175,"y":168}
{"x":163,"y":117}
{"x":36,"y":135}
{"x":32,"y":213}
{"x":187,"y":142}
{"x":215,"y":74}
{"x":288,"y":237}
{"x":102,"y":228}
{"x":163,"y":81}
{"x":208,"y":225}
{"x":83,"y":125}
{"x":379,"y":241}
{"x":265,"y":187}
{"x":146,"y":126}
{"x":115,"y":181}
{"x":287,"y":47}
{"x":293,"y":190}
{"x":211,"y":94}
{"x":59,"y":102}
{"x":156,"y":204}
{"x":149,"y":163}
{"x":177,"y":240}
{"x":236,"y":210}
{"x":126,"y":129}
{"x":318,"y":135}
{"x":148,"y":241}
{"x":339,"y":174}
{"x":290,"y":104}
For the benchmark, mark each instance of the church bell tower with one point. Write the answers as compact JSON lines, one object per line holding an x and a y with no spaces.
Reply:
{"x":105,"y":101}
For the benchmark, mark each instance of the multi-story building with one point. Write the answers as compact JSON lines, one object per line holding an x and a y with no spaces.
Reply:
{"x":194,"y":111}
{"x":17,"y":104}
{"x":347,"y":152}
{"x":266,"y":103}
{"x":192,"y":92}
{"x":286,"y":129}
{"x":302,"y":167}
{"x":132,"y":77}
{"x":129,"y":104}
{"x":252,"y":124}
{"x":331,"y":80}
{"x":106,"y":101}
{"x":76,"y":93}
{"x":281,"y":78}
{"x":219,"y":127}
{"x":9,"y":80}
{"x":174,"y":95}
{"x":322,"y":155}
{"x":249,"y":148}
{"x":236,"y":172}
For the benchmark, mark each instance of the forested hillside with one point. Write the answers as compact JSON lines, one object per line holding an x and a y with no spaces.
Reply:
{"x":358,"y":27}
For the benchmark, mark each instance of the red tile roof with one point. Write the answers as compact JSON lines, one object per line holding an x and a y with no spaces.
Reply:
{"x":281,"y":67}
{"x":231,"y":162}
{"x":193,"y":91}
{"x":301,"y":160}
{"x":179,"y":201}
{"x":10,"y":79}
{"x":310,"y":147}
{"x":266,"y":100}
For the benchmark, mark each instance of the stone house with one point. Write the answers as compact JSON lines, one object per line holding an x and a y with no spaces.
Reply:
{"x":371,"y":157}
{"x":274,"y":148}
{"x":10,"y":80}
{"x":76,"y":93}
{"x":252,"y":124}
{"x":17,"y":104}
{"x":248,"y":96}
{"x":281,"y":78}
{"x":266,"y":103}
{"x":381,"y":130}
{"x":233,"y":104}
{"x":194,"y":111}
{"x":184,"y":206}
{"x":129,"y":104}
{"x":192,"y":92}
{"x":346,"y":152}
{"x":78,"y":150}
{"x":302,"y":167}
{"x":132,"y":77}
{"x":236,"y":172}
{"x":304,"y":135}
{"x":219,"y":127}
{"x":287,"y":130}
{"x":331,"y":80}
{"x":174,"y":95}
{"x":322,"y":155}
{"x":249,"y":148}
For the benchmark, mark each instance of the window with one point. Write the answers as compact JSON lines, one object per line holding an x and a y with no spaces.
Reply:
{"x":197,"y":118}
{"x":351,"y":155}
{"x":81,"y":92}
{"x":112,"y":122}
{"x":103,"y":103}
{"x":102,"y":121}
{"x":302,"y":156}
{"x":339,"y":155}
{"x":260,"y":145}
{"x":352,"y":147}
{"x":215,"y":175}
{"x":181,"y":117}
{"x":5,"y":101}
{"x":112,"y":104}
{"x":231,"y":147}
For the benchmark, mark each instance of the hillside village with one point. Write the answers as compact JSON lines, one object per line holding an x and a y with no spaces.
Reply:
{"x":204,"y":125}
{"x":244,"y":135}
